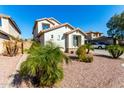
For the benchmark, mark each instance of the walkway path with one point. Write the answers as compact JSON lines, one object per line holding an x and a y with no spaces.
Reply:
{"x":8,"y":65}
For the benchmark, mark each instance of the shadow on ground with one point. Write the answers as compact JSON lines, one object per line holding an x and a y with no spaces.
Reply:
{"x":106,"y":56}
{"x":26,"y":81}
{"x":72,"y":57}
{"x":17,"y":80}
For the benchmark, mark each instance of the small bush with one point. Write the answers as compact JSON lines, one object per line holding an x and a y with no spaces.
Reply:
{"x":82,"y":54}
{"x":86,"y":58}
{"x":115,"y":50}
{"x":81,"y":51}
{"x":11,"y":48}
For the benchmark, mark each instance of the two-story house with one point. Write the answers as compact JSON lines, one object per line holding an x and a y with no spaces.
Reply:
{"x":8,"y":29}
{"x":64,"y":35}
{"x":92,"y":35}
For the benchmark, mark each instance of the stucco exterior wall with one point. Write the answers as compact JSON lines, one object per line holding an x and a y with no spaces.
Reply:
{"x":9,"y":28}
{"x":13,"y":31}
{"x":58,"y":36}
{"x":42,"y":39}
{"x":54,"y":22}
{"x":5,"y":25}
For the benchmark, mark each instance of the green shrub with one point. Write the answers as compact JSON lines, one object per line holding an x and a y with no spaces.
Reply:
{"x":82,"y":55}
{"x":81,"y":51}
{"x":44,"y":65}
{"x":115,"y":50}
{"x":86,"y":58}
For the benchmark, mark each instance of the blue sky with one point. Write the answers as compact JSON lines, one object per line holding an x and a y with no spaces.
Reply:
{"x":85,"y":17}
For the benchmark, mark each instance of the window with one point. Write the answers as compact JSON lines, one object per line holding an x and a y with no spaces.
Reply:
{"x":0,"y":22}
{"x":45,"y":26}
{"x":51,"y":36}
{"x":76,"y":41}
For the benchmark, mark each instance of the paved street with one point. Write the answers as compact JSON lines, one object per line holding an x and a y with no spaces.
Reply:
{"x":104,"y":52}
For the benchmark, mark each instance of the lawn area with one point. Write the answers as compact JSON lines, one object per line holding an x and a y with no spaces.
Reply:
{"x":102,"y":72}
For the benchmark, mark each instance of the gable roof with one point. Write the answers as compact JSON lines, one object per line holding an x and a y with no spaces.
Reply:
{"x":48,"y":19}
{"x":77,"y":29}
{"x":12,"y":21}
{"x":56,"y":27}
{"x":93,"y":32}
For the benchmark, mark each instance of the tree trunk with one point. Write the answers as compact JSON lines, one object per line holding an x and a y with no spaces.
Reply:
{"x":88,"y":51}
{"x":114,"y":41}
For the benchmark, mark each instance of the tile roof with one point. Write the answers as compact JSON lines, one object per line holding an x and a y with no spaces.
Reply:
{"x":93,"y":32}
{"x":77,"y":29}
{"x":48,"y":19}
{"x":55,"y":27}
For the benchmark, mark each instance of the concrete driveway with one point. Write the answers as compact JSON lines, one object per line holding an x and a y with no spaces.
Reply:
{"x":104,"y":52}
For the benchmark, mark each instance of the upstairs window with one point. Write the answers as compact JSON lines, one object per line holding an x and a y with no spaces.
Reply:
{"x":51,"y":36}
{"x":0,"y":22}
{"x":45,"y":26}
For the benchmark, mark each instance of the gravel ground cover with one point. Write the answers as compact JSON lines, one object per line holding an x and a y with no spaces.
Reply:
{"x":104,"y":72}
{"x":7,"y":67}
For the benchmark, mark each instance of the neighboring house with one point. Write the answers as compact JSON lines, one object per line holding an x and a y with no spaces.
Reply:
{"x":64,"y":35}
{"x":91,"y":35}
{"x":105,"y":39}
{"x":8,"y":30}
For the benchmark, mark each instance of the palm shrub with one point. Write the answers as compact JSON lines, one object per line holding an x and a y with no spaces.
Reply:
{"x":82,"y":54}
{"x":44,"y":65}
{"x":115,"y":50}
{"x":81,"y":51}
{"x":87,"y":58}
{"x":89,"y":47}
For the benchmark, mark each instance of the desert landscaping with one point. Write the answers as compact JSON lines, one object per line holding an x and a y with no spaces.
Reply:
{"x":103,"y":72}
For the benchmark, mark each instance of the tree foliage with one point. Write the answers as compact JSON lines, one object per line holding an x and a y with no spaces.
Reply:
{"x":116,"y":26}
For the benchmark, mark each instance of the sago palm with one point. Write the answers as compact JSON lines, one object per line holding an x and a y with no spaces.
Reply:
{"x":44,"y":65}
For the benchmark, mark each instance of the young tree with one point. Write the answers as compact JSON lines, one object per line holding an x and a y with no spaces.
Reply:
{"x":116,"y":27}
